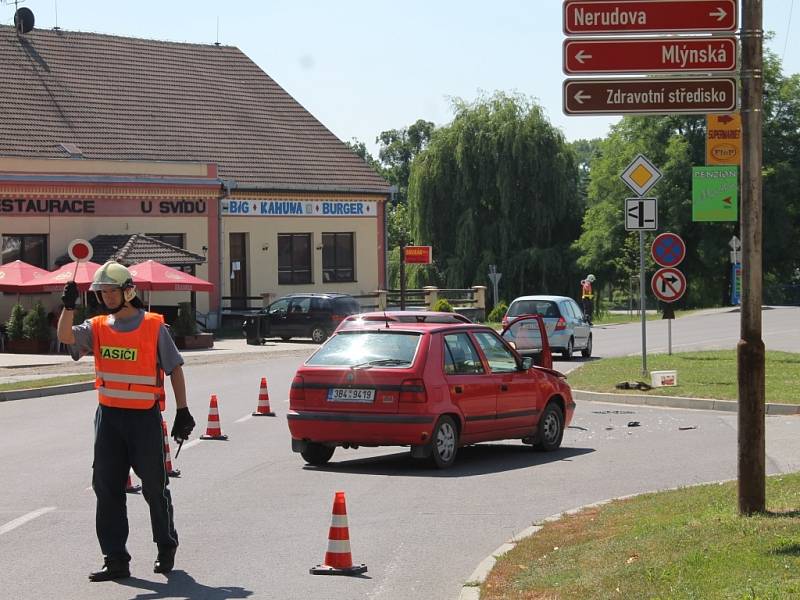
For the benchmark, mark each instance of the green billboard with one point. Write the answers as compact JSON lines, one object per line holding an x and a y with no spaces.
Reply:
{"x":715,"y":193}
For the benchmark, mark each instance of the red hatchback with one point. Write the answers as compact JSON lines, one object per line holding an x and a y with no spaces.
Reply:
{"x":431,"y":386}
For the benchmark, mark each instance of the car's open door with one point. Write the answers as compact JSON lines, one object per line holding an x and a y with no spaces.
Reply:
{"x":528,"y":335}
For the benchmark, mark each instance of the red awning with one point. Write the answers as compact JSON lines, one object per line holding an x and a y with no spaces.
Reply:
{"x":15,"y":276}
{"x":152,"y":275}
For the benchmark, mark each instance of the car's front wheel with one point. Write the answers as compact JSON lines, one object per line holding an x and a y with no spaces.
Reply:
{"x":318,"y":334}
{"x":587,"y":352}
{"x":444,"y":443}
{"x":317,"y":454}
{"x":550,"y":430}
{"x":566,"y":354}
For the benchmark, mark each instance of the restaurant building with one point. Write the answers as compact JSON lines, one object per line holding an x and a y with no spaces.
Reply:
{"x":191,"y":144}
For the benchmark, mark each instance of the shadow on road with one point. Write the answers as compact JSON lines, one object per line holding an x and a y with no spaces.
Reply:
{"x":471,"y":461}
{"x":180,"y":584}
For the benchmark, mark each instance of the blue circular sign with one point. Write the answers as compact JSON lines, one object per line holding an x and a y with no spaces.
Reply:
{"x":668,"y":249}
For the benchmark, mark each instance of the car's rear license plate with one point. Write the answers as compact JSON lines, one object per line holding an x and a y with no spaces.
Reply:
{"x":350,"y":395}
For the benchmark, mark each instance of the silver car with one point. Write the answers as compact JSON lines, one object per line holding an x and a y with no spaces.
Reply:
{"x":567,"y":327}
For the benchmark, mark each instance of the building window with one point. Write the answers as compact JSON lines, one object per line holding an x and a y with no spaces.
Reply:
{"x":337,"y":257}
{"x":31,"y":249}
{"x":294,"y":258}
{"x":173,"y":239}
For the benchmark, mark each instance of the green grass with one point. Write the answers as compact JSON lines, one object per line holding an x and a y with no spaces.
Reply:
{"x":700,"y":375}
{"x":50,"y":381}
{"x":683,"y":544}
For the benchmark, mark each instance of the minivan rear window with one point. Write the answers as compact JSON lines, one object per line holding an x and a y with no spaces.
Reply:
{"x":546,"y":308}
{"x":368,"y":349}
{"x":346,"y":306}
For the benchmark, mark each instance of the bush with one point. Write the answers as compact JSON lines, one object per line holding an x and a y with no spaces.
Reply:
{"x":82,"y":312}
{"x":35,"y":325}
{"x":185,"y":323}
{"x":498,"y":312}
{"x":14,"y":323}
{"x":442,"y":305}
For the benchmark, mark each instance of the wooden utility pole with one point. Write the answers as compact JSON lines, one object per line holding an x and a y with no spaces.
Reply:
{"x":750,"y":350}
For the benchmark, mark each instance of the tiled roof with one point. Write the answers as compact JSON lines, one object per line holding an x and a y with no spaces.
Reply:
{"x":136,"y":99}
{"x":136,"y":248}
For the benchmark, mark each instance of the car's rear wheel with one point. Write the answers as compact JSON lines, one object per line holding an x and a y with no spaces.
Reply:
{"x":317,"y":454}
{"x":550,"y":430}
{"x":566,"y":354}
{"x":318,"y":334}
{"x":587,"y":352}
{"x":444,"y":443}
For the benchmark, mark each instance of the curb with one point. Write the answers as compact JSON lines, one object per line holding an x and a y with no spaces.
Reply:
{"x":54,"y":390}
{"x":680,"y":402}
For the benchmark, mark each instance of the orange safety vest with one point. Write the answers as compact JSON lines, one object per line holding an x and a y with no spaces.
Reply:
{"x":127,"y":374}
{"x":586,"y":289}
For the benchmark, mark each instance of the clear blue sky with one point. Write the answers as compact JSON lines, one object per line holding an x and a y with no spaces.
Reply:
{"x":364,"y":66}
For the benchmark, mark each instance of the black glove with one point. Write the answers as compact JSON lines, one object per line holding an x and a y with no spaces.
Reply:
{"x":70,"y":295}
{"x":183,"y":425}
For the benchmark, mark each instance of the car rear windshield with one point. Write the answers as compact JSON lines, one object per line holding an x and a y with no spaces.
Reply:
{"x":368,"y":349}
{"x":546,"y":308}
{"x":525,"y":334}
{"x":346,"y":306}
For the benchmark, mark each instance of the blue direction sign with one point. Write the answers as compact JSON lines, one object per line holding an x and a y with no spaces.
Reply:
{"x":668,"y":249}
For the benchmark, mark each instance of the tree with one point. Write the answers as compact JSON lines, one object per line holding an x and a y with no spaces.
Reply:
{"x":398,"y":149}
{"x":498,"y":186}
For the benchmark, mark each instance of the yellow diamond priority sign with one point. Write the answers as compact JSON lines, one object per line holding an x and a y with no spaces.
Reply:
{"x":641,"y":175}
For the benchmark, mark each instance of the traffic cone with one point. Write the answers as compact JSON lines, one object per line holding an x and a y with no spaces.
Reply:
{"x":129,"y":487}
{"x":213,"y":432}
{"x":263,"y":409}
{"x":338,"y":560}
{"x":167,"y":458}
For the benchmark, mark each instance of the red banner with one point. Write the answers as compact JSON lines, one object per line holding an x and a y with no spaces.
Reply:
{"x":418,"y":254}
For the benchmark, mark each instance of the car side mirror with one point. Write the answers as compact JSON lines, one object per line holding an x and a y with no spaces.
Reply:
{"x":527,"y":362}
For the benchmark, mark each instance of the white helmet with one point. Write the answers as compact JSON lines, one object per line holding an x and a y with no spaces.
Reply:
{"x":590,"y":278}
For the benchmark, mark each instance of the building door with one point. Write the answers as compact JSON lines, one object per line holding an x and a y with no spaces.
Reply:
{"x":238,"y":247}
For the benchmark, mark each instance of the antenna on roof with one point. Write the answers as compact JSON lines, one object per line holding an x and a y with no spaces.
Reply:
{"x":217,"y":42}
{"x":55,"y":8}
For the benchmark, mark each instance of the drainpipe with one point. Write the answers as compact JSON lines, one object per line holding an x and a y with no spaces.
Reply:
{"x":227,"y":186}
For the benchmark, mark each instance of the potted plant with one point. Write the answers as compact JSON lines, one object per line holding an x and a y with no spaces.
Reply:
{"x":185,"y":330}
{"x":28,"y":332}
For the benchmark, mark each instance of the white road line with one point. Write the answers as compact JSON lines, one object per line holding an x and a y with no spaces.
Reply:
{"x":11,"y":525}
{"x":244,"y":418}
{"x":188,"y":445}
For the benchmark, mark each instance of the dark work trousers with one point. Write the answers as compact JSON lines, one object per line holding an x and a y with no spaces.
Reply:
{"x":588,"y":309}
{"x":125,"y":438}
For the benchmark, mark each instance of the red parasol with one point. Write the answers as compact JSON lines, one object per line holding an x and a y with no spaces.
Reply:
{"x":54,"y":281}
{"x":15,"y":276}
{"x":152,"y":275}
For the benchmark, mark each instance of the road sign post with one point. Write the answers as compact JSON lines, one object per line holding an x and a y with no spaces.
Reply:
{"x":494,"y":277}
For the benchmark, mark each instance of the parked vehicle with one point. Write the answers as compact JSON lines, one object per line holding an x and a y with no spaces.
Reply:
{"x":300,"y":315}
{"x":528,"y":336}
{"x":567,"y":328}
{"x":406,"y":316}
{"x":431,"y":386}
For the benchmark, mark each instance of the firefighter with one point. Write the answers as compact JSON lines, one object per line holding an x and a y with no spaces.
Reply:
{"x":132,"y":350}
{"x":587,"y":297}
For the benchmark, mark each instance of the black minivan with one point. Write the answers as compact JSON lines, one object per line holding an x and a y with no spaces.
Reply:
{"x":300,"y":315}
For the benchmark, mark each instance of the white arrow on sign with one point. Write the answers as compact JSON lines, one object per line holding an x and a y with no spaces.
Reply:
{"x":581,"y":56}
{"x":580,"y":97}
{"x":719,"y":13}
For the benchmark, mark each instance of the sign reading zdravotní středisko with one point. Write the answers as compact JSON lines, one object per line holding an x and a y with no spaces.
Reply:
{"x":715,"y":193}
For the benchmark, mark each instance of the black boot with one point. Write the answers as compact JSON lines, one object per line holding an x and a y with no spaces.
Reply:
{"x":112,"y":569}
{"x":165,"y":559}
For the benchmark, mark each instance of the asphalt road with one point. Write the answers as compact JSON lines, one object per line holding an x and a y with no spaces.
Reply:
{"x":253,"y":519}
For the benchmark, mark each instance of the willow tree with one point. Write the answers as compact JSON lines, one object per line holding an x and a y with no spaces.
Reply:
{"x":499,"y":185}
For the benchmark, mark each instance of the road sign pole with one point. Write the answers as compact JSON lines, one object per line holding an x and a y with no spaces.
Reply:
{"x":642,"y":303}
{"x":669,"y":337}
{"x":750,"y":350}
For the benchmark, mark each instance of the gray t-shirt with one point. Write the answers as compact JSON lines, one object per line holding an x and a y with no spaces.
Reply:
{"x":168,"y":355}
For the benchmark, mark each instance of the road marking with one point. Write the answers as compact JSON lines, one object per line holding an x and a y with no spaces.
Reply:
{"x":11,"y":525}
{"x":188,"y":445}
{"x":244,"y":418}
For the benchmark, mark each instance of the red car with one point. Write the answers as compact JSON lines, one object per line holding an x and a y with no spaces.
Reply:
{"x":431,"y":386}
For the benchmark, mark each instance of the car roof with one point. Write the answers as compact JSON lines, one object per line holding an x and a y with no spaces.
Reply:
{"x":314,"y":295}
{"x":419,"y":316}
{"x":542,"y":297}
{"x":361,"y":325}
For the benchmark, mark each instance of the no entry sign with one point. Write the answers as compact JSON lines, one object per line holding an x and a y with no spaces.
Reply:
{"x":668,"y":249}
{"x":668,"y":284}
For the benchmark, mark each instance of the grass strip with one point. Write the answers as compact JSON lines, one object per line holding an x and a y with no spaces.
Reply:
{"x":688,"y":543}
{"x":34,"y":384}
{"x":710,"y":374}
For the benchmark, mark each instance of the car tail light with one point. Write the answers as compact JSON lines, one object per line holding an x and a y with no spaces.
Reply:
{"x":413,"y":390}
{"x":297,"y":393}
{"x":504,"y":322}
{"x":338,"y":318}
{"x":561,"y":324}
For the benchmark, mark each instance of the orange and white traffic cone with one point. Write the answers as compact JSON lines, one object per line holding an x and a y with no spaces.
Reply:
{"x":129,"y":487}
{"x":338,"y":560}
{"x":213,"y":432}
{"x":263,"y":409}
{"x":167,"y":458}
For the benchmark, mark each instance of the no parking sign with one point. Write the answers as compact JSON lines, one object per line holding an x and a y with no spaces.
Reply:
{"x":668,"y":249}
